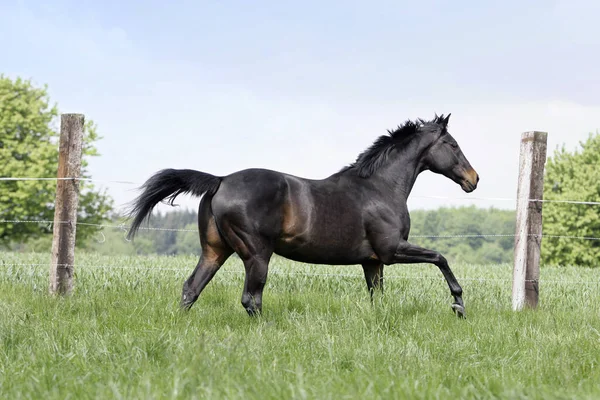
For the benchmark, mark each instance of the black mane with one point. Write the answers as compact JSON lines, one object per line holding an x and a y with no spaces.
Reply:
{"x":370,"y":160}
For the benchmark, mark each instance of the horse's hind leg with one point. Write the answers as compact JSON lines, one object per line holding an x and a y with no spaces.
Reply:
{"x":215,"y":251}
{"x":374,"y":276}
{"x":210,"y":262}
{"x":256,"y":278}
{"x":255,"y":252}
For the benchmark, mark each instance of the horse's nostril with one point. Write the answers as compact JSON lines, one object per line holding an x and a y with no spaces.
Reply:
{"x":477,"y":178}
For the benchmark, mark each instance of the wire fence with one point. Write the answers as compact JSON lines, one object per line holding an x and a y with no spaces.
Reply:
{"x":125,"y":228}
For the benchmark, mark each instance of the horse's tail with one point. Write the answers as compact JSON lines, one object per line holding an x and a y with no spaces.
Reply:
{"x":168,"y":184}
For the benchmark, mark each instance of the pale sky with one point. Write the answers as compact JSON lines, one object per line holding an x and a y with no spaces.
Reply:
{"x":304,"y":87}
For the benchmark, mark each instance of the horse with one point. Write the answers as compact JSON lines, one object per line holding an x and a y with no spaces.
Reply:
{"x":357,"y":215}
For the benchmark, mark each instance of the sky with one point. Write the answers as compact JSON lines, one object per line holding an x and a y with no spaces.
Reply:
{"x":304,"y":87}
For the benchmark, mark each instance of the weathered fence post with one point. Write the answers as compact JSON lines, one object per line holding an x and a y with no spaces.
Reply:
{"x":67,"y":199}
{"x":528,"y":239}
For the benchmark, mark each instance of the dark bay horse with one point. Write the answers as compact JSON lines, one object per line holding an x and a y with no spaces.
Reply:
{"x":355,"y":216}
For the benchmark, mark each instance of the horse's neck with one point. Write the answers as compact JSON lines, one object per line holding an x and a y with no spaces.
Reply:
{"x":397,"y":176}
{"x":400,"y":176}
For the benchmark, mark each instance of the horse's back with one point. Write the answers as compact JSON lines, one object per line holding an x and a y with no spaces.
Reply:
{"x":254,"y":184}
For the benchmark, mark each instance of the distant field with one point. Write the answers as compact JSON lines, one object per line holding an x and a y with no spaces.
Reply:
{"x":122,"y":335}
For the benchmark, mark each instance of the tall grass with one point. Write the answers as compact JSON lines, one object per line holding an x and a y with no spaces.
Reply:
{"x":121,"y":335}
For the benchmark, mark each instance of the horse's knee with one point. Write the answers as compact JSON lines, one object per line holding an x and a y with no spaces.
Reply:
{"x":441,"y":261}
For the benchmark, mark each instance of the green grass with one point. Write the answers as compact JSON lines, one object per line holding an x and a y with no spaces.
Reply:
{"x":121,"y":335}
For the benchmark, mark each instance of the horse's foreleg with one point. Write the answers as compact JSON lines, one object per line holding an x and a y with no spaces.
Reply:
{"x":373,"y":276}
{"x":406,"y":253}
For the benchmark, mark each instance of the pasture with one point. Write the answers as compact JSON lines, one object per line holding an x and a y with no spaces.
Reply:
{"x":122,"y":335}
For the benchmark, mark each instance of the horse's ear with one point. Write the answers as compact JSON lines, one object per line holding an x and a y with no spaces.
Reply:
{"x":444,"y":121}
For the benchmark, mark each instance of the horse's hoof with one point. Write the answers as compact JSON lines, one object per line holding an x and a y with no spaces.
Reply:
{"x":459,"y":310}
{"x":186,"y":302}
{"x":252,"y":312}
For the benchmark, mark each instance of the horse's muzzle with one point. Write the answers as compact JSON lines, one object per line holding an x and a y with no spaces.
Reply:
{"x":470,"y":181}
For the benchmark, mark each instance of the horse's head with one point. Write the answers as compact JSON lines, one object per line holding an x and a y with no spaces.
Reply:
{"x":445,"y":157}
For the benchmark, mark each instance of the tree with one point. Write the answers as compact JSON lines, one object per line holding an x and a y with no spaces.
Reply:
{"x":29,"y":148}
{"x":572,"y":176}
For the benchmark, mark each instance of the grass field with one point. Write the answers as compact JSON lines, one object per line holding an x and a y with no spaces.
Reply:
{"x":121,"y":335}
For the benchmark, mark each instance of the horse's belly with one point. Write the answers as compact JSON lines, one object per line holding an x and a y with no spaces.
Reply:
{"x":322,"y":252}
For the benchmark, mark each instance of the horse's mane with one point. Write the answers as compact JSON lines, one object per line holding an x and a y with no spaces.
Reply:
{"x":371,"y":159}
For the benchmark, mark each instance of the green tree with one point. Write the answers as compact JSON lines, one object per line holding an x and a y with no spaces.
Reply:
{"x":29,"y":148}
{"x":572,"y":176}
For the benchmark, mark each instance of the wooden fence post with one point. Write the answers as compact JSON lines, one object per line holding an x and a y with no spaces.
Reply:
{"x":528,"y":239}
{"x":67,"y":199}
